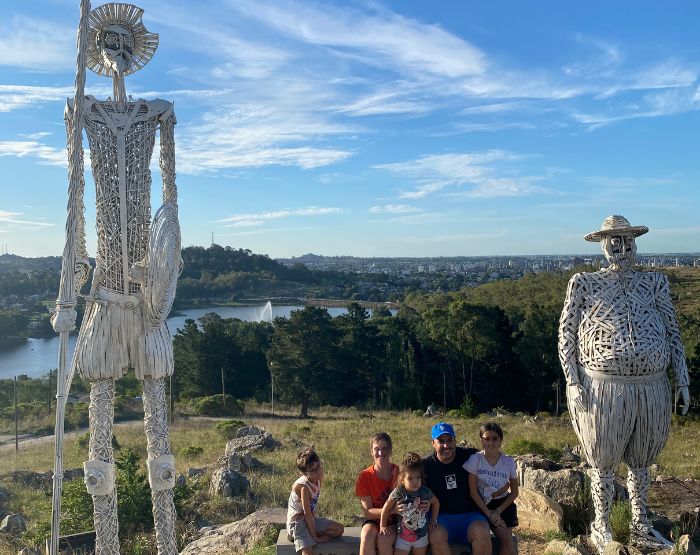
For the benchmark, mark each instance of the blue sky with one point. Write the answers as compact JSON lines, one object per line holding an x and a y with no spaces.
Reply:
{"x":382,"y":128}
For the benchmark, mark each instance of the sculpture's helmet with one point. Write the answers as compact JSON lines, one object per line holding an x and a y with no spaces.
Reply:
{"x":118,"y":41}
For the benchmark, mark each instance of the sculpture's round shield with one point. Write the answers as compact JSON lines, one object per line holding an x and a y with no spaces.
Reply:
{"x":164,"y":264}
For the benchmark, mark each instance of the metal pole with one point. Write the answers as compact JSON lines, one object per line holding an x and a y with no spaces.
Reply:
{"x":223,"y":388}
{"x":16,"y":419}
{"x":67,"y":293}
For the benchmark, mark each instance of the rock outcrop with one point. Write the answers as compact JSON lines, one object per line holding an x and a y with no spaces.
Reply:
{"x":538,"y":512}
{"x":238,"y":537}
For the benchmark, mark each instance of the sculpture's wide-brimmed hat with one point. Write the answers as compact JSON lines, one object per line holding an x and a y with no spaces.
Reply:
{"x":615,"y":225}
{"x":127,"y":16}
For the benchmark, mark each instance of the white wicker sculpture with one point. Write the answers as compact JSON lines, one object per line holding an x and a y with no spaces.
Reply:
{"x":617,"y":336}
{"x":137,"y":264}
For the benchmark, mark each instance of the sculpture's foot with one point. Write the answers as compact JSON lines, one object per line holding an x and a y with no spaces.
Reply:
{"x":643,"y":535}
{"x":601,"y":536}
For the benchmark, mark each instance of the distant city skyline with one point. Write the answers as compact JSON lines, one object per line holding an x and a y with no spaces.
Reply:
{"x":385,"y":129}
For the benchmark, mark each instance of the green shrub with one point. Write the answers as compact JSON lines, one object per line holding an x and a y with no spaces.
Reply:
{"x":76,"y":415}
{"x":37,"y":535}
{"x":454,"y":414}
{"x":76,"y":508}
{"x":214,"y":405}
{"x":468,"y":408}
{"x":525,"y":446}
{"x":191,"y":451}
{"x":84,"y":440}
{"x":620,"y":518}
{"x":228,"y":428}
{"x":134,"y":495}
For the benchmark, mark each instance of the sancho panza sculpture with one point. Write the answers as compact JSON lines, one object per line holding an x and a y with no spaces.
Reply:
{"x":137,"y":263}
{"x":618,"y":336}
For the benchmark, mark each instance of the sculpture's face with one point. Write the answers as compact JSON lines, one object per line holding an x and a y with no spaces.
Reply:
{"x":117,"y":45}
{"x":620,"y":251}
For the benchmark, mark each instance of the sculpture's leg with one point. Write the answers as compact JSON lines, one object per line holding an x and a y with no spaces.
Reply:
{"x":638,"y":488}
{"x":647,"y":441}
{"x":99,"y":470}
{"x":160,"y":464}
{"x":602,"y":490}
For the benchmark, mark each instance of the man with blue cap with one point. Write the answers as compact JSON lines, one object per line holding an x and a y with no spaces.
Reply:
{"x":460,"y":520}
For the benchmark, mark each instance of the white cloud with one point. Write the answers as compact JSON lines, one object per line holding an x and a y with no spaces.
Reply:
{"x":257,"y":219}
{"x":385,"y":102}
{"x":257,"y":135}
{"x":406,"y":45}
{"x":36,"y":44}
{"x":394,"y":209}
{"x":10,"y":218}
{"x":46,"y":155}
{"x":482,"y":171}
{"x":13,"y":97}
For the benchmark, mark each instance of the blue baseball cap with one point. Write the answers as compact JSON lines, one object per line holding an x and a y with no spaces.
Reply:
{"x":442,"y":428}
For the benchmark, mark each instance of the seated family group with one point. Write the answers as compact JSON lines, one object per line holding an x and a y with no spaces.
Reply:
{"x":454,"y":495}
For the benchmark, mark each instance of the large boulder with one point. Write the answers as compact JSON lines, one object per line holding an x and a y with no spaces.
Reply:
{"x":13,"y":524}
{"x":241,"y":462}
{"x":262,"y":440}
{"x":564,"y":485}
{"x":238,"y":537}
{"x":538,"y":512}
{"x":567,"y":486}
{"x":228,"y":483}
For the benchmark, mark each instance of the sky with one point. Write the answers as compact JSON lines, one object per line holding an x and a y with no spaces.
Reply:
{"x":396,"y":128}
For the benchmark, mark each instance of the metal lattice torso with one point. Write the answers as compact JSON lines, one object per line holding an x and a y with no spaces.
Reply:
{"x":107,"y":130}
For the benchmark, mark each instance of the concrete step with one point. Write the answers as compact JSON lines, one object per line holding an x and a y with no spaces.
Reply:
{"x":349,"y":544}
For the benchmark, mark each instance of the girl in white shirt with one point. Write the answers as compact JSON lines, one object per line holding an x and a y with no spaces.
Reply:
{"x":493,"y":485}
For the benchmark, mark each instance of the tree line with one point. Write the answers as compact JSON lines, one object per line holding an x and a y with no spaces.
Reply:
{"x":491,"y":346}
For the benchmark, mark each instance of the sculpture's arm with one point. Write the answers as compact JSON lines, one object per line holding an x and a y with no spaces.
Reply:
{"x":664,"y":305}
{"x":568,"y":342}
{"x":568,"y":330}
{"x":167,"y":155}
{"x":73,"y":276}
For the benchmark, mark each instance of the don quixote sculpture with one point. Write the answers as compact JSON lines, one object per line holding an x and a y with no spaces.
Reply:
{"x":136,"y":266}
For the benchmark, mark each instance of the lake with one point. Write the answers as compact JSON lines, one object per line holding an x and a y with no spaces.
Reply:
{"x":36,"y":357}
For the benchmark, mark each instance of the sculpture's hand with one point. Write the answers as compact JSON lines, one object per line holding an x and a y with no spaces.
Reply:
{"x":64,"y":319}
{"x":578,"y":395}
{"x":682,"y":392}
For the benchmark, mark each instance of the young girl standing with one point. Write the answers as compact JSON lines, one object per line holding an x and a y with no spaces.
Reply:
{"x":493,"y":485}
{"x":410,"y":492}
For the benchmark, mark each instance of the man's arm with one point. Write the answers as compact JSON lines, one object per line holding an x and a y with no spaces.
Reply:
{"x":434,"y":512}
{"x":568,"y":341}
{"x":664,"y":305}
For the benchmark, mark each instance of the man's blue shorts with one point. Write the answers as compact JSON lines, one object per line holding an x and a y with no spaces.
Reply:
{"x":457,"y":525}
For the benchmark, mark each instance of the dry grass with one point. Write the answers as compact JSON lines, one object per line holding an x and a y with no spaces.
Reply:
{"x":341,"y":439}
